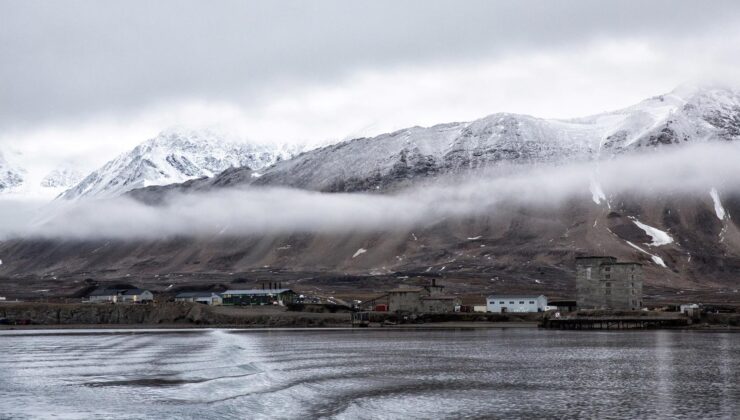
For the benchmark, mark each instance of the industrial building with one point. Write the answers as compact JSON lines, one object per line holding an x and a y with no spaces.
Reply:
{"x":604,"y":283}
{"x":425,"y":299}
{"x":206,"y":298}
{"x":258,"y":297}
{"x":516,"y":303}
{"x":120,"y":295}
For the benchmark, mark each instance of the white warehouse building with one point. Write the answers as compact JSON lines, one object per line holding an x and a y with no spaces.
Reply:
{"x":516,"y":303}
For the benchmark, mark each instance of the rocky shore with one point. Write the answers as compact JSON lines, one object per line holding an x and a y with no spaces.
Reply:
{"x":162,"y":314}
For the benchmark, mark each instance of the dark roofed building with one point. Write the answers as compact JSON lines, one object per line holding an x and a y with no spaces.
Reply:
{"x":206,"y":298}
{"x":428,"y":299}
{"x":117,"y":295}
{"x":258,"y":297}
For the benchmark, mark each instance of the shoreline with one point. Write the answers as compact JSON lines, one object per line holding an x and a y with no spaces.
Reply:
{"x":431,"y":326}
{"x":193,"y":327}
{"x":192,"y":317}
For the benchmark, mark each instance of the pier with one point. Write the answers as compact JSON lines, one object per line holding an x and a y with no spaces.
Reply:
{"x":614,"y":323}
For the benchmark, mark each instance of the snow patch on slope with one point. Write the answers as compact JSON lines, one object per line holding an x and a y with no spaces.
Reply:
{"x":659,"y":237}
{"x":656,"y":259}
{"x":359,"y":252}
{"x":597,"y":194}
{"x":718,"y":209}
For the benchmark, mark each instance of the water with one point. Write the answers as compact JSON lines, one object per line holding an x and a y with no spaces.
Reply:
{"x":350,"y":374}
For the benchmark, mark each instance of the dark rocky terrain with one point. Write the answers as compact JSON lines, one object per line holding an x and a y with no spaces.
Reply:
{"x":520,"y":249}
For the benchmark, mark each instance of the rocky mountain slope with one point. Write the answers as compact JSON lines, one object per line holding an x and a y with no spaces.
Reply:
{"x":688,"y":114}
{"x":176,"y":156}
{"x":514,"y":249}
{"x":689,"y":243}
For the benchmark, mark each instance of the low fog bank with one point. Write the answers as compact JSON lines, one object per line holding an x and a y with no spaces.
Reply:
{"x":256,"y":211}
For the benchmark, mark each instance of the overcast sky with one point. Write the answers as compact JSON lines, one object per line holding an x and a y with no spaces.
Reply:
{"x":85,"y":80}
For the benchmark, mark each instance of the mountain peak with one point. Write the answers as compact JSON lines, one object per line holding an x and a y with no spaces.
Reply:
{"x":176,"y":155}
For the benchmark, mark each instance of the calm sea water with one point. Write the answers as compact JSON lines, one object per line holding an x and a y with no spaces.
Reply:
{"x":346,"y":374}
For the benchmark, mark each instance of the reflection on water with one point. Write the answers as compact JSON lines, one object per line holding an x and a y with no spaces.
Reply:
{"x":369,"y":374}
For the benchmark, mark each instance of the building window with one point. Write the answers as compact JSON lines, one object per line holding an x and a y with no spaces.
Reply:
{"x":531,"y":302}
{"x":588,"y":273}
{"x":608,"y":284}
{"x":608,"y":292}
{"x":521,"y":302}
{"x":511,"y":303}
{"x":502,"y":303}
{"x":607,"y":269}
{"x":608,"y":276}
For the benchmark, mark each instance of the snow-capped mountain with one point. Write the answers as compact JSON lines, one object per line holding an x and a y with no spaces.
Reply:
{"x":686,"y":114}
{"x":22,"y":178}
{"x":176,"y":156}
{"x":62,"y":177}
{"x":10,"y":175}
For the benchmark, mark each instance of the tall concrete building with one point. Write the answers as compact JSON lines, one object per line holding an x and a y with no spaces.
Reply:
{"x":604,"y":283}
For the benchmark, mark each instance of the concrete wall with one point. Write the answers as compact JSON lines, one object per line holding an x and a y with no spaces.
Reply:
{"x":208,"y":300}
{"x":102,"y":299}
{"x":437,"y":306}
{"x":145,"y":296}
{"x":404,"y":301}
{"x":603,"y":283}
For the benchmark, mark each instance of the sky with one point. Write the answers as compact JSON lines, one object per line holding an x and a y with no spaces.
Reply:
{"x":82,"y":81}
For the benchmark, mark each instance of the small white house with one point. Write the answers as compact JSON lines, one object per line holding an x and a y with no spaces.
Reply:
{"x":119,"y":295}
{"x":137,"y":296}
{"x":206,"y":298}
{"x":516,"y":303}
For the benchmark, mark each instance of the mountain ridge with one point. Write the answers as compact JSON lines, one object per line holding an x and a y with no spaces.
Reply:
{"x":175,"y":156}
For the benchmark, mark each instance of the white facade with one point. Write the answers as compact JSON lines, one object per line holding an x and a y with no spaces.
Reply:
{"x":137,"y":296}
{"x":516,"y":303}
{"x":204,"y":298}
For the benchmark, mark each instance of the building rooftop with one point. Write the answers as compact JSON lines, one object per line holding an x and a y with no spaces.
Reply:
{"x":406,"y":289}
{"x":257,"y":292}
{"x":596,"y":256}
{"x":195,"y":294}
{"x":105,"y":291}
{"x":515,"y":296}
{"x":132,"y":292}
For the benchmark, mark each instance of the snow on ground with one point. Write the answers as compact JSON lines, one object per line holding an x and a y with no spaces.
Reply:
{"x":656,"y":259}
{"x":659,"y":261}
{"x":359,"y":252}
{"x":597,"y":194}
{"x":659,"y":237}
{"x":475,"y":238}
{"x":718,"y":209}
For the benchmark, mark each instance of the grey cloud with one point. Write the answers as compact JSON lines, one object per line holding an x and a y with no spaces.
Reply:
{"x":258,"y":211}
{"x":74,"y":58}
